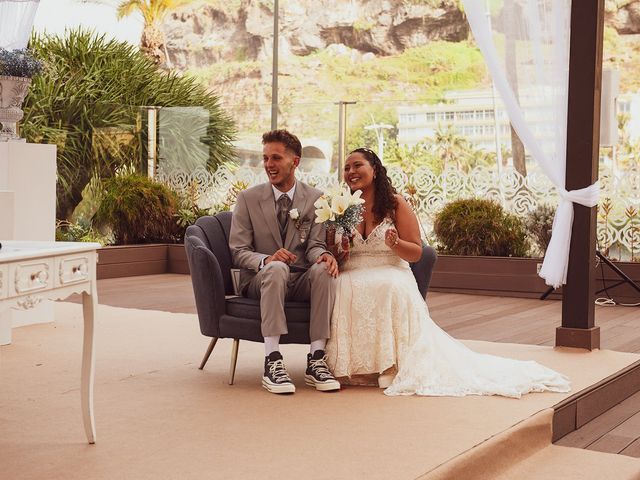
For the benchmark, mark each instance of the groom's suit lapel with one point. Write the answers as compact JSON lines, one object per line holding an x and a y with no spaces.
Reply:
{"x":268,"y":206}
{"x":299,"y":202}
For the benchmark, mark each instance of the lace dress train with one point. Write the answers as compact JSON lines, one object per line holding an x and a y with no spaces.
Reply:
{"x":380,"y":322}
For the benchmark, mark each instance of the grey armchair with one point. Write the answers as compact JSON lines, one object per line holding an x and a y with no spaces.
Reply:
{"x":222,"y":314}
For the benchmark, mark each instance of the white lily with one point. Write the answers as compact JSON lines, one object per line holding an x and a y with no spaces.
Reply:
{"x":355,"y":199}
{"x":340,"y":204}
{"x":324,"y":213}
{"x":322,"y":202}
{"x":334,"y":191}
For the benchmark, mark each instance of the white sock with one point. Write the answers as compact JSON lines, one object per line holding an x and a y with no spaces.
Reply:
{"x":318,"y":345}
{"x":271,"y":344}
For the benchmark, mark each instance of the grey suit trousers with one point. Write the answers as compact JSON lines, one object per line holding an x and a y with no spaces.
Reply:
{"x":274,"y":284}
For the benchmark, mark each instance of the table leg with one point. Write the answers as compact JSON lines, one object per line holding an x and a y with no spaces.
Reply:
{"x":89,"y":306}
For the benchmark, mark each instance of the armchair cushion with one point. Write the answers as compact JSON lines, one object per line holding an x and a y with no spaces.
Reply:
{"x":296,"y":312}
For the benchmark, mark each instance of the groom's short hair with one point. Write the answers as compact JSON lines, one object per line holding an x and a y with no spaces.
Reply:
{"x":288,"y":139}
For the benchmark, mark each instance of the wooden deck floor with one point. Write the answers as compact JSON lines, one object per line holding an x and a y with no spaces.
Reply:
{"x":496,"y":319}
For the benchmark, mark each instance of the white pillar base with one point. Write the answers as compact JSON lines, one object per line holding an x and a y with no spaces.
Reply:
{"x":27,"y":212}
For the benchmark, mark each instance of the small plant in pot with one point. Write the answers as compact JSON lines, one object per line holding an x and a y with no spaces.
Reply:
{"x":17,"y":68}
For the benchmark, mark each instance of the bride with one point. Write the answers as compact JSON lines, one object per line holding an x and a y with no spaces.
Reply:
{"x":381,"y":331}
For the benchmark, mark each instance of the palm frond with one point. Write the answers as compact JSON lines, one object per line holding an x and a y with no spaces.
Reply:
{"x":128,"y":7}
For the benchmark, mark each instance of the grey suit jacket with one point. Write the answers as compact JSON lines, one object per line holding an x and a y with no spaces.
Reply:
{"x":255,"y":233}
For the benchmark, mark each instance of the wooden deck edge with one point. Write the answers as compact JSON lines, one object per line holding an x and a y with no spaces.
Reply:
{"x":135,"y":260}
{"x":582,"y":407}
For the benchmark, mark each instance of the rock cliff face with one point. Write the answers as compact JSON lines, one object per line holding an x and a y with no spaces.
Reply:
{"x":232,"y":30}
{"x":199,"y":36}
{"x":626,"y":20}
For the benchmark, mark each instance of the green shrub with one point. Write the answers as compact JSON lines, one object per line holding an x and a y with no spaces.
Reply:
{"x":138,"y":210}
{"x":539,"y":222}
{"x":480,"y":227}
{"x":87,"y":102}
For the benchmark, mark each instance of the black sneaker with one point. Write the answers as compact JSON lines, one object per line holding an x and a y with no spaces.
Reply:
{"x":318,"y":374}
{"x":276,"y":379}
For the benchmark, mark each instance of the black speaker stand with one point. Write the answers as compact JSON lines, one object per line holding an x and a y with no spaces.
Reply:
{"x":625,"y":278}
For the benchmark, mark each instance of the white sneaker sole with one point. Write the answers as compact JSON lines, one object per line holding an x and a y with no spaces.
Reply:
{"x":275,"y":388}
{"x":322,"y":386}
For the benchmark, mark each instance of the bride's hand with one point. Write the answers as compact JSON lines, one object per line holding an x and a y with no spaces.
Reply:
{"x":332,"y":246}
{"x":391,"y":237}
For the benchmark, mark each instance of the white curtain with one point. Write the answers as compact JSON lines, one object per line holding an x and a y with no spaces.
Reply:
{"x":16,"y":20}
{"x":525,"y":44}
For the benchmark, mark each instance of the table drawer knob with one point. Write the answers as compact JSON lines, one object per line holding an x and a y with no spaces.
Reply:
{"x":73,"y":270}
{"x":40,"y":277}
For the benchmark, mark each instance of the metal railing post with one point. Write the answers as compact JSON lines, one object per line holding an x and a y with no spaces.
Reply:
{"x":342,"y":135}
{"x":274,"y":74}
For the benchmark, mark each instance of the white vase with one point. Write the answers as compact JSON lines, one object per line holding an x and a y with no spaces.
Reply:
{"x":13,"y":90}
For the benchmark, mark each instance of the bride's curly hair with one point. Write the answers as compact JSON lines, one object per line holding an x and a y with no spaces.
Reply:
{"x":385,"y":203}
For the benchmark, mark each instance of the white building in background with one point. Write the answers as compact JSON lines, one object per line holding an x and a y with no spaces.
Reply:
{"x":471,"y":114}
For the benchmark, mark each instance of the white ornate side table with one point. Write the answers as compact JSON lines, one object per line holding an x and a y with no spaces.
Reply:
{"x":33,"y":271}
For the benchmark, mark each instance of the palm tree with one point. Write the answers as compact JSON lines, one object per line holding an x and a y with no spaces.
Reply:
{"x":450,"y":146}
{"x":152,"y":41}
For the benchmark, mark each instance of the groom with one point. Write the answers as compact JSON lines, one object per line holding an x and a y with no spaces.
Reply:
{"x":282,"y":255}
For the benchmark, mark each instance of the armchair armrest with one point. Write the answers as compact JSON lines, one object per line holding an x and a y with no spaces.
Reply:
{"x":208,"y":285}
{"x":423,"y":268}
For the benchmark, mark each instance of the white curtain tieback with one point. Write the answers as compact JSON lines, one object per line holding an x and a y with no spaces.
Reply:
{"x":556,"y":259}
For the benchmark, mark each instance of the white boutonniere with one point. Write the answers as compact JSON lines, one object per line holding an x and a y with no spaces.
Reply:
{"x":303,"y":225}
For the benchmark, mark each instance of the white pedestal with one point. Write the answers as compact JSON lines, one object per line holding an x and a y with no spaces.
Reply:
{"x":27,"y":212}
{"x":29,"y":171}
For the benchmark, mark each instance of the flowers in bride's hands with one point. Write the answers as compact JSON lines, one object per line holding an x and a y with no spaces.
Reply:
{"x":339,"y":205}
{"x":340,"y":209}
{"x":323,"y":210}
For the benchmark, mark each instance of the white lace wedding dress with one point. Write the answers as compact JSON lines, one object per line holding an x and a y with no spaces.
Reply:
{"x":381,"y":322}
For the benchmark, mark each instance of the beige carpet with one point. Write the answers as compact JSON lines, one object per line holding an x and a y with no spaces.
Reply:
{"x":159,"y":417}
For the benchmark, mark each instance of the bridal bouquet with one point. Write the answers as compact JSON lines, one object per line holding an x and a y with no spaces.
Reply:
{"x":340,"y":210}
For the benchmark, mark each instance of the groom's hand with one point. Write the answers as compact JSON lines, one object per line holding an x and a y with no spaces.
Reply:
{"x":330,"y":264}
{"x":282,"y":255}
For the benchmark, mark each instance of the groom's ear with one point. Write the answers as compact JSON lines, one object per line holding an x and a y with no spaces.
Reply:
{"x":296,"y":160}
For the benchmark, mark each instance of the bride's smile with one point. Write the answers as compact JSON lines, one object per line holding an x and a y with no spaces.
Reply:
{"x":358,"y":172}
